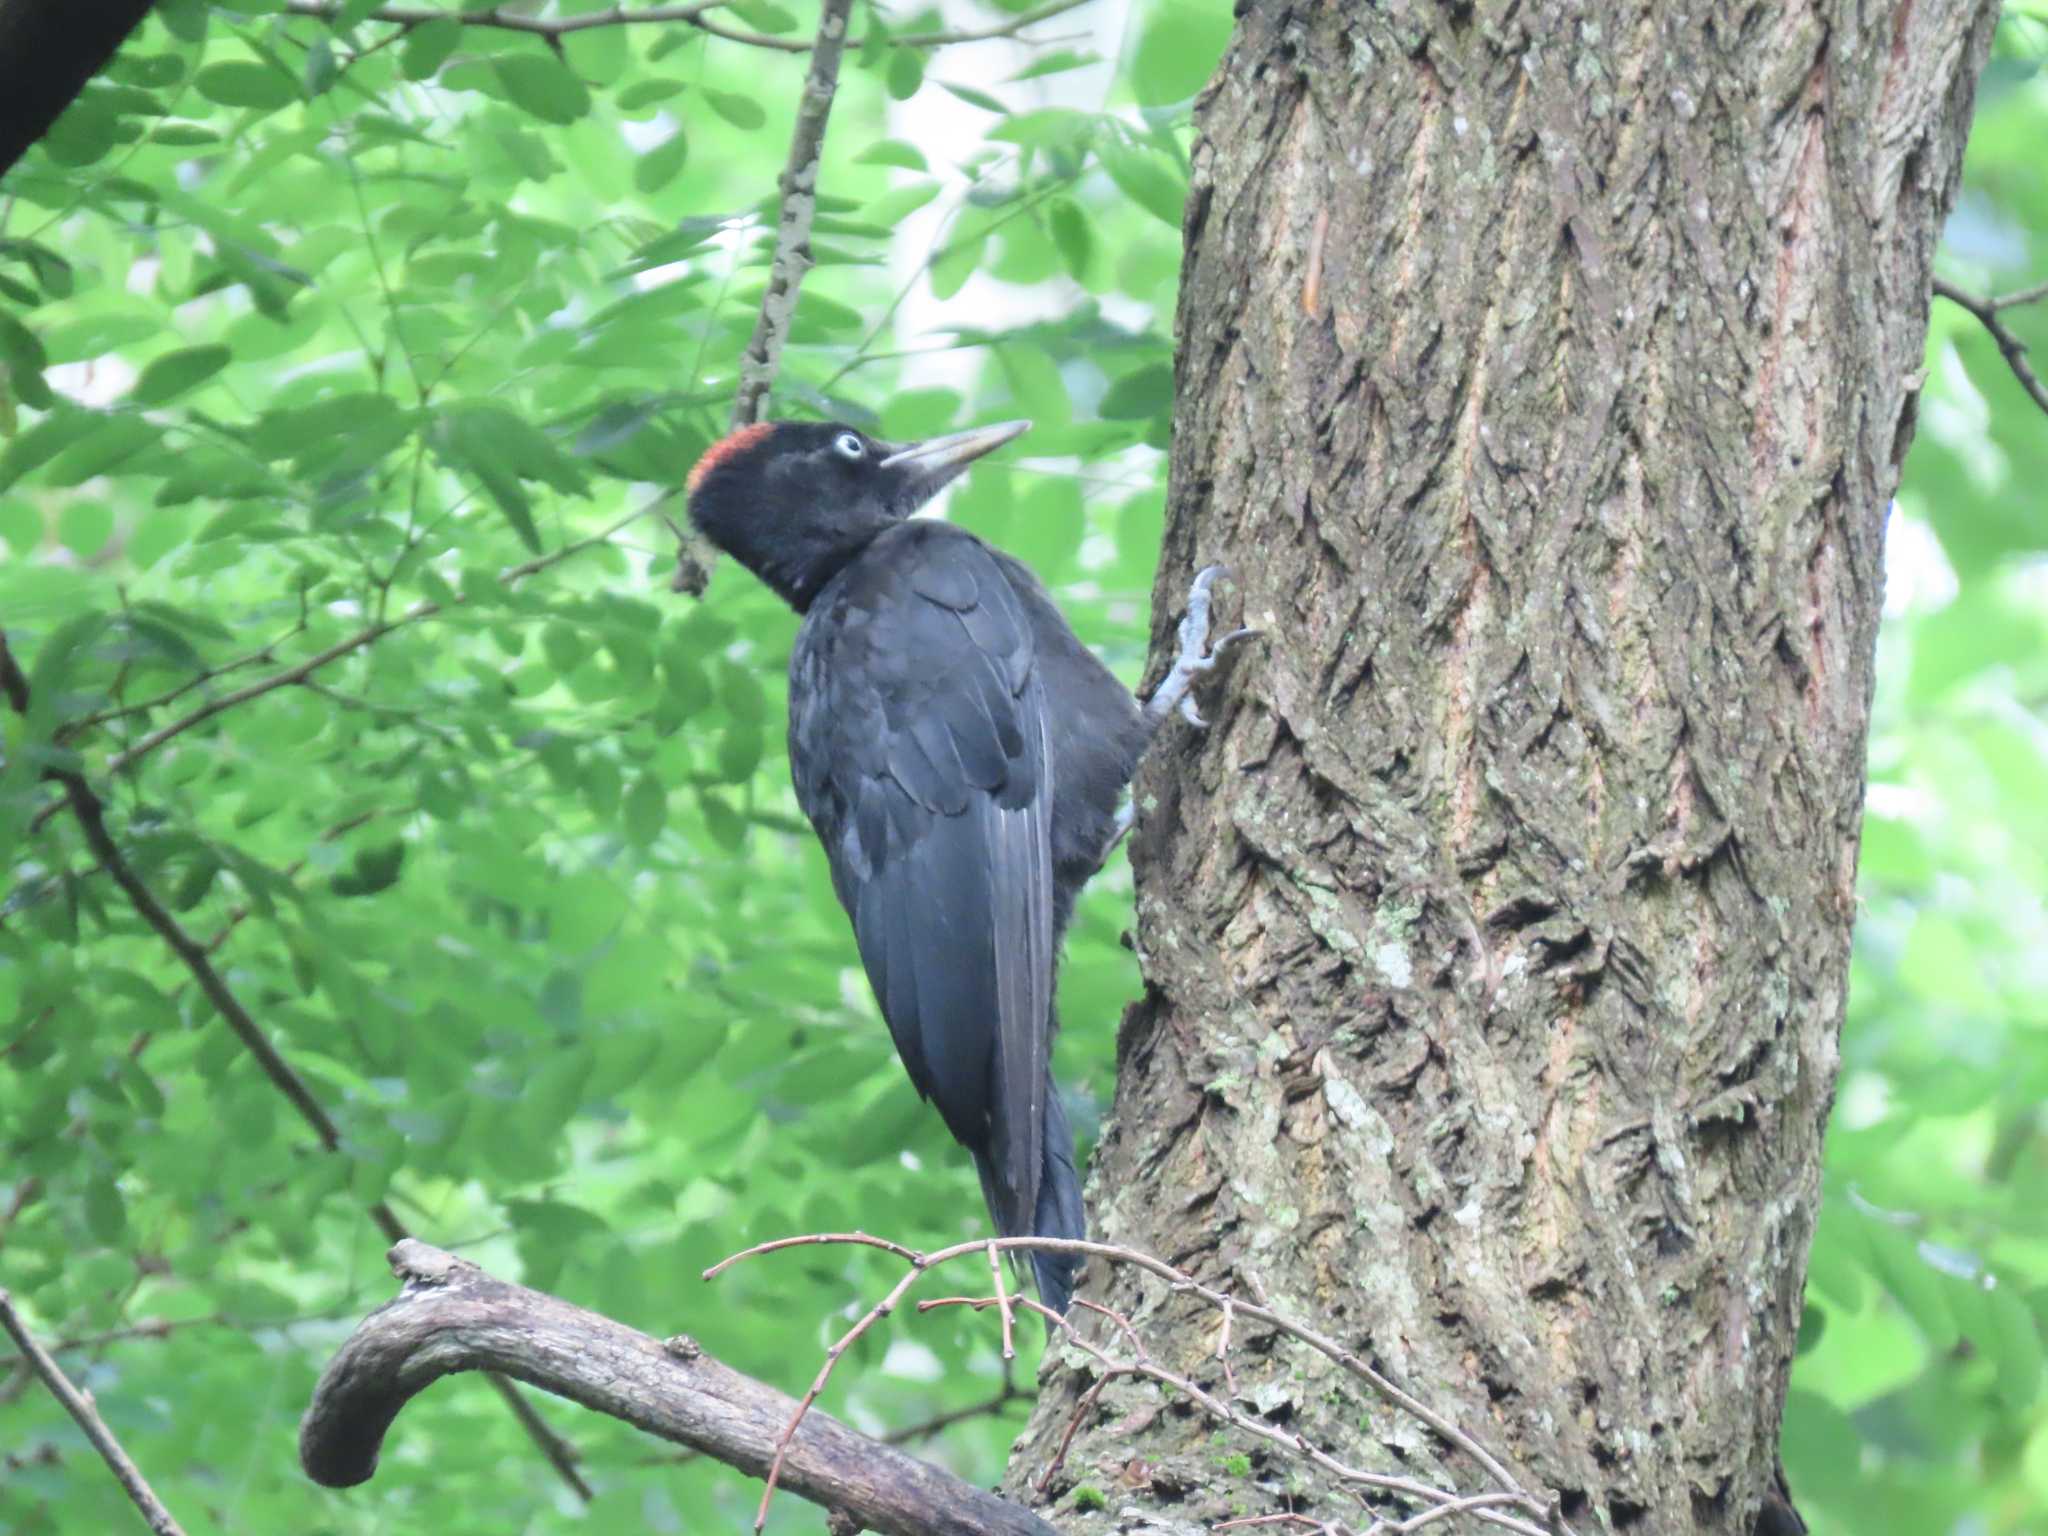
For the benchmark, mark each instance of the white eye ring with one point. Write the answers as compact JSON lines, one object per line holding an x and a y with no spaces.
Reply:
{"x":850,"y":445}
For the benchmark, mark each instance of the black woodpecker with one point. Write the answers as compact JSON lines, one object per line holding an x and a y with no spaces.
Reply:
{"x":962,"y":756}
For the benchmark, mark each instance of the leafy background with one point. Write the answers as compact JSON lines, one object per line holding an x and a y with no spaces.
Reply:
{"x":314,"y":326}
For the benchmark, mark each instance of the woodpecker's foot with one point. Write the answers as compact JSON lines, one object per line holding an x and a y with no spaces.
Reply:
{"x":1196,"y":657}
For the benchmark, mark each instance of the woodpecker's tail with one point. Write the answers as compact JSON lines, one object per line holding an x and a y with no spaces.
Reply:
{"x":1058,"y":1212}
{"x":1059,"y":1206}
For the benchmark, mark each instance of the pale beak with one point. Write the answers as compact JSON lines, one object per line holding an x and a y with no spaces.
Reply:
{"x":941,"y":458}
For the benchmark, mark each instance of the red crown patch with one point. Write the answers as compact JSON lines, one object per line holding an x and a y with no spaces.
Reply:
{"x":732,"y":443}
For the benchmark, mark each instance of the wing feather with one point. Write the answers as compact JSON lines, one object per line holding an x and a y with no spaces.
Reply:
{"x":919,"y":741}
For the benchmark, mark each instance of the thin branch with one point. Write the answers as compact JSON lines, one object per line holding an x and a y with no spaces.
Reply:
{"x":1986,"y":310}
{"x":299,"y":671}
{"x":1181,"y":1282}
{"x":799,"y":186}
{"x":988,"y":1407}
{"x":995,"y":1268}
{"x":452,"y":1316}
{"x":2021,"y":296}
{"x":695,"y":15}
{"x":1293,"y":1442}
{"x":80,"y":1407}
{"x":90,"y":813}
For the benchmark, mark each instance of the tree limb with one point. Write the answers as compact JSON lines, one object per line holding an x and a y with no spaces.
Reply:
{"x":1986,"y":310}
{"x":80,"y":1407}
{"x":451,"y":1316}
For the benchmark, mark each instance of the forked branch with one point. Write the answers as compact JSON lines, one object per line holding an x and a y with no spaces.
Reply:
{"x":1987,"y":309}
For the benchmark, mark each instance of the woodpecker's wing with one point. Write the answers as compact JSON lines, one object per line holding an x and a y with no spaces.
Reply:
{"x":917,"y":737}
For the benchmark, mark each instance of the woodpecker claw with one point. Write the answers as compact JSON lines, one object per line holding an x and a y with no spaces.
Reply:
{"x":1196,"y":655}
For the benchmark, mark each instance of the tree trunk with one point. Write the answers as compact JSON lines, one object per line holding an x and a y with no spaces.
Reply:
{"x":1544,"y":374}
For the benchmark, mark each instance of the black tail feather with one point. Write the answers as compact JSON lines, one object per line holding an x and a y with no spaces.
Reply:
{"x":1059,"y":1211}
{"x":1059,"y":1207}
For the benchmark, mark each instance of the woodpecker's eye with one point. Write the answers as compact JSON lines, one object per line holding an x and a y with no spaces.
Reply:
{"x":850,"y":446}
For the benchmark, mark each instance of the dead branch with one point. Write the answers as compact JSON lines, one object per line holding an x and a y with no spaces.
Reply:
{"x":79,"y":1406}
{"x":451,"y":1316}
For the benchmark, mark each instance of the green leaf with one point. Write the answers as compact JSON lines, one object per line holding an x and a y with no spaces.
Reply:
{"x":740,"y":111}
{"x":106,"y":1213}
{"x":543,"y":85}
{"x":1073,"y":235}
{"x":1146,"y":177}
{"x":904,"y":73}
{"x":240,"y":83}
{"x":660,"y":165}
{"x":1057,"y":62}
{"x":645,"y":93}
{"x":2014,"y":1344}
{"x":892,"y":152}
{"x":646,"y":810}
{"x":975,"y":98}
{"x":1140,"y":395}
{"x":321,"y":70}
{"x":427,"y":47}
{"x":500,"y":448}
{"x":83,"y":527}
{"x":22,"y":353}
{"x":764,"y":16}
{"x":956,"y":263}
{"x":1177,"y":51}
{"x":167,"y":377}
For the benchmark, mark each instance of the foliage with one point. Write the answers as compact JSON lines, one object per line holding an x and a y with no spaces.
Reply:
{"x":313,"y":331}
{"x":310,"y":329}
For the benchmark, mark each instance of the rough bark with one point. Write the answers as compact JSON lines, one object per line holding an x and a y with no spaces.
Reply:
{"x":1544,"y":373}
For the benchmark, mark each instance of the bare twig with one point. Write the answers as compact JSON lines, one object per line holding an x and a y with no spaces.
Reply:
{"x":988,"y":1407}
{"x":451,"y":1316}
{"x":799,"y":187}
{"x":1223,"y":1348}
{"x":1074,"y":1420}
{"x":1181,"y":1282}
{"x":995,"y":1268}
{"x":2015,"y":351}
{"x":1294,"y":1443}
{"x":696,"y":15}
{"x":812,"y":1239}
{"x":79,"y":1406}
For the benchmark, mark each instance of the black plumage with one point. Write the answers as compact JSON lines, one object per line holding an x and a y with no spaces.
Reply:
{"x":961,"y":755}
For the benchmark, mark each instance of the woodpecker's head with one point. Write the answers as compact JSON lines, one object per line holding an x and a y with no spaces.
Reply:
{"x":793,"y":501}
